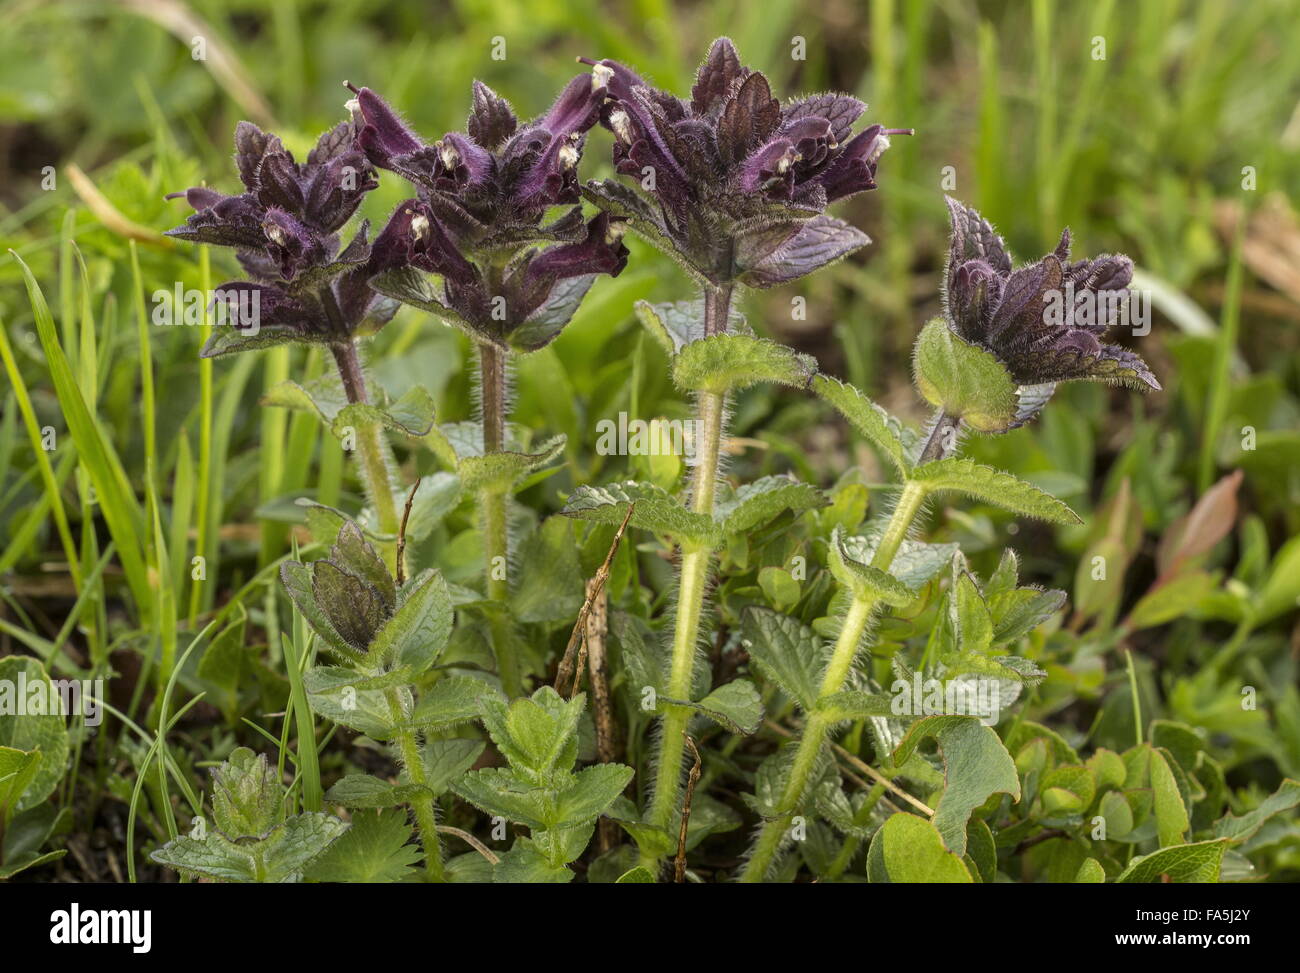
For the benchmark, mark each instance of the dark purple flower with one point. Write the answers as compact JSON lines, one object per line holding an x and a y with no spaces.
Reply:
{"x":491,"y":185}
{"x":289,"y":210}
{"x":732,"y":182}
{"x":602,"y":252}
{"x":306,"y":285}
{"x":523,"y":307}
{"x":1044,"y":321}
{"x":478,"y":217}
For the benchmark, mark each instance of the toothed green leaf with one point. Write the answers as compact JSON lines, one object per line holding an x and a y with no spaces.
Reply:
{"x":724,"y":363}
{"x":881,"y":429}
{"x":863,"y":580}
{"x":785,"y":652}
{"x":500,"y":471}
{"x":993,"y":487}
{"x":377,"y":848}
{"x":754,"y":504}
{"x":656,"y":510}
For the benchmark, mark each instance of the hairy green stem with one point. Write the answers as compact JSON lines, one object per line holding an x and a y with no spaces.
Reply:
{"x":425,"y":819}
{"x":717,"y":309}
{"x":837,"y":672}
{"x":696,"y":557}
{"x":372,"y":451}
{"x":493,"y":502}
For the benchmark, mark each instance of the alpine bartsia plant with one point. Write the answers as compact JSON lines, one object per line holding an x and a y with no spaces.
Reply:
{"x":305,"y":286}
{"x":734,"y":186}
{"x":540,"y":789}
{"x":991,"y":363}
{"x":253,"y":839}
{"x":476,"y":226}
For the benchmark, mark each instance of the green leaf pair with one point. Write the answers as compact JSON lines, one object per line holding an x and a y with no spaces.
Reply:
{"x":411,"y":415}
{"x":736,"y":512}
{"x":540,"y":789}
{"x":253,"y":840}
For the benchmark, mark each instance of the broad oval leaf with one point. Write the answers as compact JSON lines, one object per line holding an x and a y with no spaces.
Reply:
{"x":909,"y":849}
{"x":976,"y":766}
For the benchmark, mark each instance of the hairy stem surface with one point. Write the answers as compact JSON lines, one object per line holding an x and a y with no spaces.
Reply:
{"x":425,"y":819}
{"x":372,"y":451}
{"x":493,"y":502}
{"x":696,"y":557}
{"x":837,"y":672}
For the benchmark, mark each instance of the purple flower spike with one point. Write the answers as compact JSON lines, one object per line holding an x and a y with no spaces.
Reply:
{"x":1044,"y":321}
{"x":285,"y":227}
{"x":482,"y":198}
{"x":491,"y":185}
{"x":731,"y":182}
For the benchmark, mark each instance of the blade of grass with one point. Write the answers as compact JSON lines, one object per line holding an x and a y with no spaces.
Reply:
{"x":274,"y":422}
{"x":53,"y":495}
{"x":205,"y":434}
{"x":1224,"y":349}
{"x":1045,"y":56}
{"x":123,"y":515}
{"x":182,"y":511}
{"x":990,"y":173}
{"x":141,"y":776}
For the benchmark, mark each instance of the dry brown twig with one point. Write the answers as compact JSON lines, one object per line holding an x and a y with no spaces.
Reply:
{"x":679,"y":863}
{"x":567,"y":669}
{"x":470,"y":840}
{"x":401,"y":533}
{"x":602,"y":710}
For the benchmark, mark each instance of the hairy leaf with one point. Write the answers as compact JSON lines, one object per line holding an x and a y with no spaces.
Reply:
{"x":724,"y":363}
{"x":881,"y":429}
{"x":376,"y":848}
{"x":993,"y":487}
{"x":656,"y":510}
{"x":418,"y":630}
{"x":785,"y":652}
{"x":364,"y":791}
{"x":820,"y":241}
{"x":754,"y":504}
{"x":964,"y":379}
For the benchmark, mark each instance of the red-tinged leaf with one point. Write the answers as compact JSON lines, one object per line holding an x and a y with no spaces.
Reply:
{"x":1204,"y":526}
